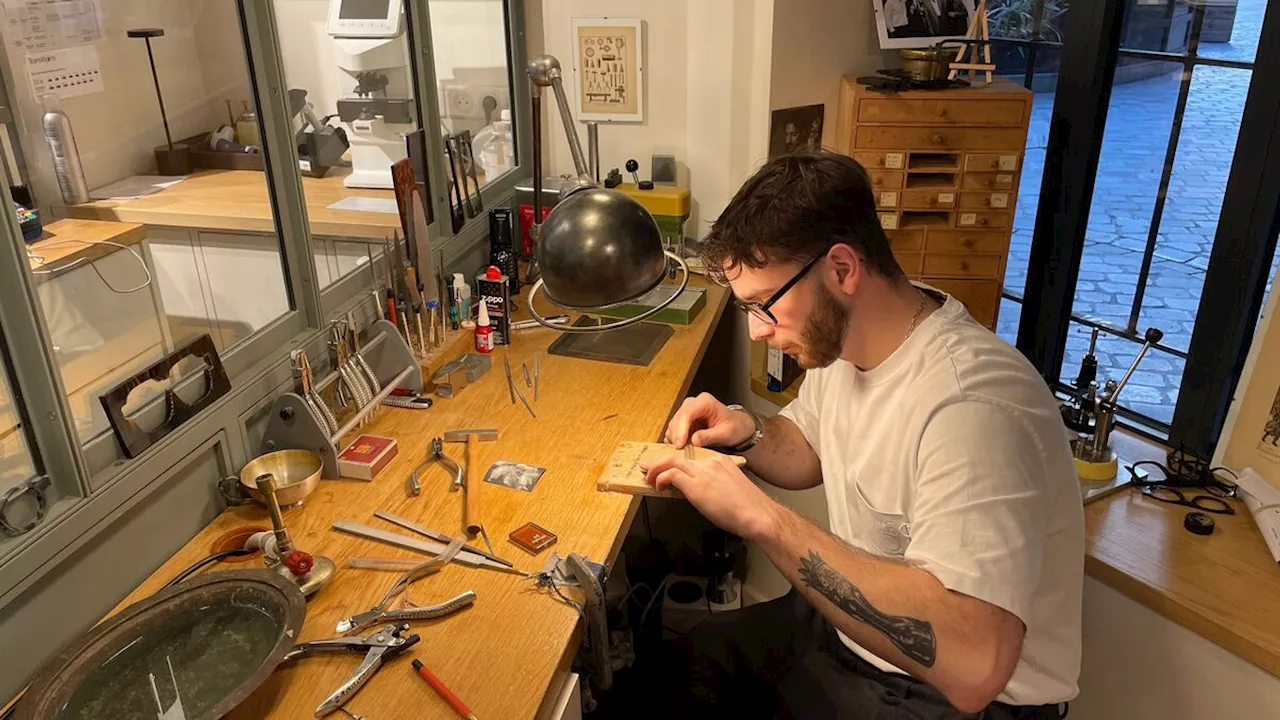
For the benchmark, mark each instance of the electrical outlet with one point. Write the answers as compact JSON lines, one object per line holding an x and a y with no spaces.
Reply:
{"x":458,"y":102}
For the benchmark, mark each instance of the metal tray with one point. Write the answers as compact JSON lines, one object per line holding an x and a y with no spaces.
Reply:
{"x":193,"y":652}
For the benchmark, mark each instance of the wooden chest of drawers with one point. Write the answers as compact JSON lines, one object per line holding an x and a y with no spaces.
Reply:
{"x":945,"y":167}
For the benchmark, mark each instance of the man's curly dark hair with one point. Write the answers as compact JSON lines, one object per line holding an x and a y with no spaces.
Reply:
{"x":795,"y":208}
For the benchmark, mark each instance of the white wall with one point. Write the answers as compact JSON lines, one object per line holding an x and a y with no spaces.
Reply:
{"x":706,"y":91}
{"x":666,"y":79}
{"x":200,"y":60}
{"x":1138,"y":665}
{"x":815,"y":42}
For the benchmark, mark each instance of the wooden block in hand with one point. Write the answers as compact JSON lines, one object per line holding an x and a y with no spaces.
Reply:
{"x":622,"y":473}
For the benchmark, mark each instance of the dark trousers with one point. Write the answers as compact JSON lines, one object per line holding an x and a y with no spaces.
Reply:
{"x":783,"y":659}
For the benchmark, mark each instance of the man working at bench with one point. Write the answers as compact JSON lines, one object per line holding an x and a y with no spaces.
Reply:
{"x":950,"y":582}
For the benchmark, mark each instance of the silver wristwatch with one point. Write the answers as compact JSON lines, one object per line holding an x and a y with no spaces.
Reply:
{"x":750,"y":442}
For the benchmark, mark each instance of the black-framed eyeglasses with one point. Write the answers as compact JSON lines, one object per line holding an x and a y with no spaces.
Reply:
{"x":760,"y":310}
{"x":1149,"y":473}
{"x":1174,"y":496}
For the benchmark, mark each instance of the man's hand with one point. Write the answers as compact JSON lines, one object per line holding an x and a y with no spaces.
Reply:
{"x":719,"y":490}
{"x":707,"y":422}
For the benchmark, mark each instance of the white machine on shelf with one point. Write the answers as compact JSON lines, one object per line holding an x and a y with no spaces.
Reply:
{"x":374,"y":53}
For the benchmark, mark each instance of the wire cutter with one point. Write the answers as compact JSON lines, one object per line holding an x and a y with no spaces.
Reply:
{"x":378,"y":647}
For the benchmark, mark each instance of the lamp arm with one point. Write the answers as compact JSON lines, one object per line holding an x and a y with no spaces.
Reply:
{"x":684,"y":283}
{"x":566,"y":118}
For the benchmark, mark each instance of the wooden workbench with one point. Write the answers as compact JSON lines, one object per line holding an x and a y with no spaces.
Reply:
{"x":55,"y":249}
{"x":237,"y":201}
{"x":1223,"y":586}
{"x":502,"y":655}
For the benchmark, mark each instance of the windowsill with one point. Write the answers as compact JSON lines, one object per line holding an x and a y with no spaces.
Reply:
{"x":1224,"y":587}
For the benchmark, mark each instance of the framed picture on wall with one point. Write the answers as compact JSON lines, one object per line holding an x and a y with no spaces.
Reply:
{"x":608,"y":68}
{"x":797,"y":129}
{"x":920,"y":23}
{"x":1251,"y":435}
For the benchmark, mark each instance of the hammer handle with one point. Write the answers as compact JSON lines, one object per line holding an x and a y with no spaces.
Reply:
{"x":471,"y":503}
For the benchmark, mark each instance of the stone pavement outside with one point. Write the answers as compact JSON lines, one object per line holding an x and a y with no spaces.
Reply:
{"x":1133,"y":154}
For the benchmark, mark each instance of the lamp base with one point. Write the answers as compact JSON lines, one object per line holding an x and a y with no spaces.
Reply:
{"x":174,"y":160}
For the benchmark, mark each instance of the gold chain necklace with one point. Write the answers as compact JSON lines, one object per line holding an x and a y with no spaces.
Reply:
{"x":916,"y":318}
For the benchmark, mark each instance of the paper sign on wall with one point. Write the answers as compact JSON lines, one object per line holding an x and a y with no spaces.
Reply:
{"x":66,"y":73}
{"x":52,"y":24}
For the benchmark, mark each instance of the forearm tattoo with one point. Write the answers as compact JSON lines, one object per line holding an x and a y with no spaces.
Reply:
{"x":914,"y":637}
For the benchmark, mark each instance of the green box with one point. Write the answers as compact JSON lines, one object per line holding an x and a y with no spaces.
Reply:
{"x":683,"y":311}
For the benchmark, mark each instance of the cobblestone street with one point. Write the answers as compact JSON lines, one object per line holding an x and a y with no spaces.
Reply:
{"x":1133,"y":154}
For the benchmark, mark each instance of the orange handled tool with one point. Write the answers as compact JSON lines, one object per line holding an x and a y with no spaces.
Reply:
{"x":443,"y":691}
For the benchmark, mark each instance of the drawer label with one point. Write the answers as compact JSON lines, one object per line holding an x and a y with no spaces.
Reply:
{"x":889,"y":199}
{"x":1003,"y":180}
{"x":1008,"y":162}
{"x":889,"y":221}
{"x":968,"y":218}
{"x":946,"y":198}
{"x":895,"y":161}
{"x":999,"y":200}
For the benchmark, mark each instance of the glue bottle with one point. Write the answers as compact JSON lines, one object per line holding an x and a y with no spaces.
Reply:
{"x":484,"y":331}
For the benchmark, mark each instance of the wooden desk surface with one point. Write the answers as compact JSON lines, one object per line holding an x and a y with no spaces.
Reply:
{"x":237,"y":201}
{"x":55,"y":249}
{"x":1224,"y":586}
{"x":500,"y":655}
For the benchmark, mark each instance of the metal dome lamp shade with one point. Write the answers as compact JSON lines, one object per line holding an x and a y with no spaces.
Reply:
{"x":597,"y":248}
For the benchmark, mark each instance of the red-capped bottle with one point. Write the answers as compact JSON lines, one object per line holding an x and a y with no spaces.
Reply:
{"x":484,"y":331}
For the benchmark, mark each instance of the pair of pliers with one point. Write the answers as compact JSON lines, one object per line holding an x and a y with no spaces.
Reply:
{"x":436,"y":452}
{"x":386,"y":643}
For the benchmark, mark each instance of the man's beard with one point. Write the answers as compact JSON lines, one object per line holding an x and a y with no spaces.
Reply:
{"x":824,"y":329}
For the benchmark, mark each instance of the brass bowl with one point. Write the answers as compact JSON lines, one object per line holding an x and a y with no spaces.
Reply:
{"x":932,"y":63}
{"x":297,"y":472}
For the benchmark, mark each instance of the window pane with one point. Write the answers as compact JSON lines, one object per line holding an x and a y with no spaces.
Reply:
{"x":471,"y":55}
{"x":352,"y":99}
{"x":1043,"y":20}
{"x":1194,"y":201}
{"x":1043,"y":82}
{"x":1231,"y":30}
{"x":1153,"y":389}
{"x":1133,"y":149}
{"x":170,"y":233}
{"x":1159,"y":25}
{"x":16,"y":463}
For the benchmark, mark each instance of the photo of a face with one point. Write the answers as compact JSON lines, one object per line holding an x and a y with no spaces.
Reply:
{"x":797,"y":129}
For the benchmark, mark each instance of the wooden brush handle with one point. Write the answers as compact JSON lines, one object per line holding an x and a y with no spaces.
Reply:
{"x":471,"y":503}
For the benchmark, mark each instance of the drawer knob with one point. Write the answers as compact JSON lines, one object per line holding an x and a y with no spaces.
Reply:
{"x":982,"y":221}
{"x":967,"y":244}
{"x":938,"y":138}
{"x":964,"y":266}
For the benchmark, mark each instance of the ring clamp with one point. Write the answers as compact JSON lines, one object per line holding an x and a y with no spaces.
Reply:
{"x":38,"y":487}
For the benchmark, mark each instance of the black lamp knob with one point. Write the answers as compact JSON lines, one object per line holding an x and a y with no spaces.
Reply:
{"x":1153,"y":335}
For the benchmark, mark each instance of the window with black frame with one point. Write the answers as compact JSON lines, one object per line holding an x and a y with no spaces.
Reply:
{"x":1172,"y":124}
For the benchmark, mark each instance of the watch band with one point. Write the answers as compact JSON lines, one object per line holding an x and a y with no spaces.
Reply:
{"x":750,"y":442}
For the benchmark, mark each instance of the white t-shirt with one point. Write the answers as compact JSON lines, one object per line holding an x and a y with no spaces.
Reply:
{"x":951,"y":456}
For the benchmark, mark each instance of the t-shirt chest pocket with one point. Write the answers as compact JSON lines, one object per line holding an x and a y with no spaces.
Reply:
{"x":885,"y":533}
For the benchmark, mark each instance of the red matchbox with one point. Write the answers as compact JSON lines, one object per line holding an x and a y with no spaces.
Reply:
{"x":366,"y":456}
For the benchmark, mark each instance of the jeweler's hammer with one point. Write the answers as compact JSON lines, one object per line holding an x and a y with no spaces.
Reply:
{"x":471,"y":505}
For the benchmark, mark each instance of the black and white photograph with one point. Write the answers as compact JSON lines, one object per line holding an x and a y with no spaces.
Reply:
{"x":797,"y":129}
{"x":920,"y":23}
